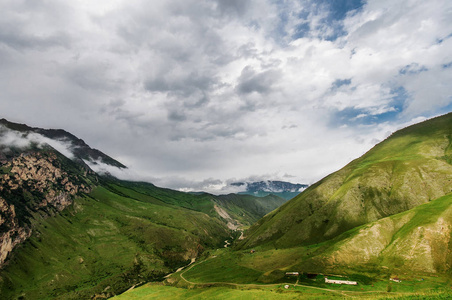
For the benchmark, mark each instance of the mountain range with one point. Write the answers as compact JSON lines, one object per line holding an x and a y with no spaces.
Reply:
{"x":384,"y":222}
{"x":281,"y":189}
{"x":387,"y":212}
{"x":69,"y":233}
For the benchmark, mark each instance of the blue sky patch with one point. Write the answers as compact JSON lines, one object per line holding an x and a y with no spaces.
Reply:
{"x":447,"y":66}
{"x":400,"y":96}
{"x":413,"y":68}
{"x":439,"y":41}
{"x":338,"y":10}
{"x":331,"y":26}
{"x":340,"y":82}
{"x":352,"y":116}
{"x":301,"y":30}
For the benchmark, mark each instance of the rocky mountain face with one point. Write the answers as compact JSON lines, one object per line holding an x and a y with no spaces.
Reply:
{"x":36,"y":181}
{"x":33,"y":183}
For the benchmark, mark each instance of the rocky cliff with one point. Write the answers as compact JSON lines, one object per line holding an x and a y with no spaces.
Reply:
{"x":33,"y":185}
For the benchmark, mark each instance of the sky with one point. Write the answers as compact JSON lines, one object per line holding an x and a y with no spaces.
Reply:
{"x":196,"y":94}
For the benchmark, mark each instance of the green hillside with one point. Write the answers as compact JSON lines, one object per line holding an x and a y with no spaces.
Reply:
{"x":411,"y":167}
{"x":415,"y":242}
{"x":249,"y":209}
{"x":243,"y":209}
{"x":118,"y":235}
{"x":414,"y":246}
{"x":385,"y":215}
{"x":106,"y":239}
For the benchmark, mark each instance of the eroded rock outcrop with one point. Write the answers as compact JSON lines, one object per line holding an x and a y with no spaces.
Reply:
{"x":14,"y":233}
{"x":28,"y":183}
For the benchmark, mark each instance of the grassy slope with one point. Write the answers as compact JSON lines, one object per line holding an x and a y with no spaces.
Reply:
{"x":415,"y":245}
{"x":418,"y":240}
{"x":152,"y":291}
{"x":400,"y":292}
{"x":406,"y":170}
{"x":400,"y":184}
{"x":200,"y":202}
{"x":246,"y":209}
{"x":120,"y":234}
{"x":107,"y":239}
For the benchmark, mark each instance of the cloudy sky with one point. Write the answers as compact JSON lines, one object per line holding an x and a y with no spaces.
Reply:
{"x":194,"y":93}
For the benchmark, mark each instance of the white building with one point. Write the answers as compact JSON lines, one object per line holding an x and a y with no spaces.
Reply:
{"x":292,"y":274}
{"x":340,"y":281}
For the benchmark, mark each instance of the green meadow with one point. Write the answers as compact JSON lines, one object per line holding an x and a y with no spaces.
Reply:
{"x":278,"y":291}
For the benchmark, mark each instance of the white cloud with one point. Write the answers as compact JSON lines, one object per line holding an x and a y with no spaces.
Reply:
{"x":189,"y":90}
{"x":10,"y":138}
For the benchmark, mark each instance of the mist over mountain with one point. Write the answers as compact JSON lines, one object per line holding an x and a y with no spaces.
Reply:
{"x":23,"y":136}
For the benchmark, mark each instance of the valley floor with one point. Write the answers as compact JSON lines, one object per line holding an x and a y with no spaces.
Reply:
{"x":186,"y":286}
{"x":274,"y":291}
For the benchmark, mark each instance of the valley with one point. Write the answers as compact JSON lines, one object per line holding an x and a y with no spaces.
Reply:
{"x":383,"y":221}
{"x":70,"y":233}
{"x":189,"y":283}
{"x":225,"y":149}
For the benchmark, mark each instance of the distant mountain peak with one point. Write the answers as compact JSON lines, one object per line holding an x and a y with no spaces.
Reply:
{"x":263,"y":188}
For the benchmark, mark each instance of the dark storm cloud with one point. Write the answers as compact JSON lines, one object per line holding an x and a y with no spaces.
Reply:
{"x":20,"y":25}
{"x":251,"y":81}
{"x":184,"y":84}
{"x":20,"y":41}
{"x":176,"y":116}
{"x":236,"y":7}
